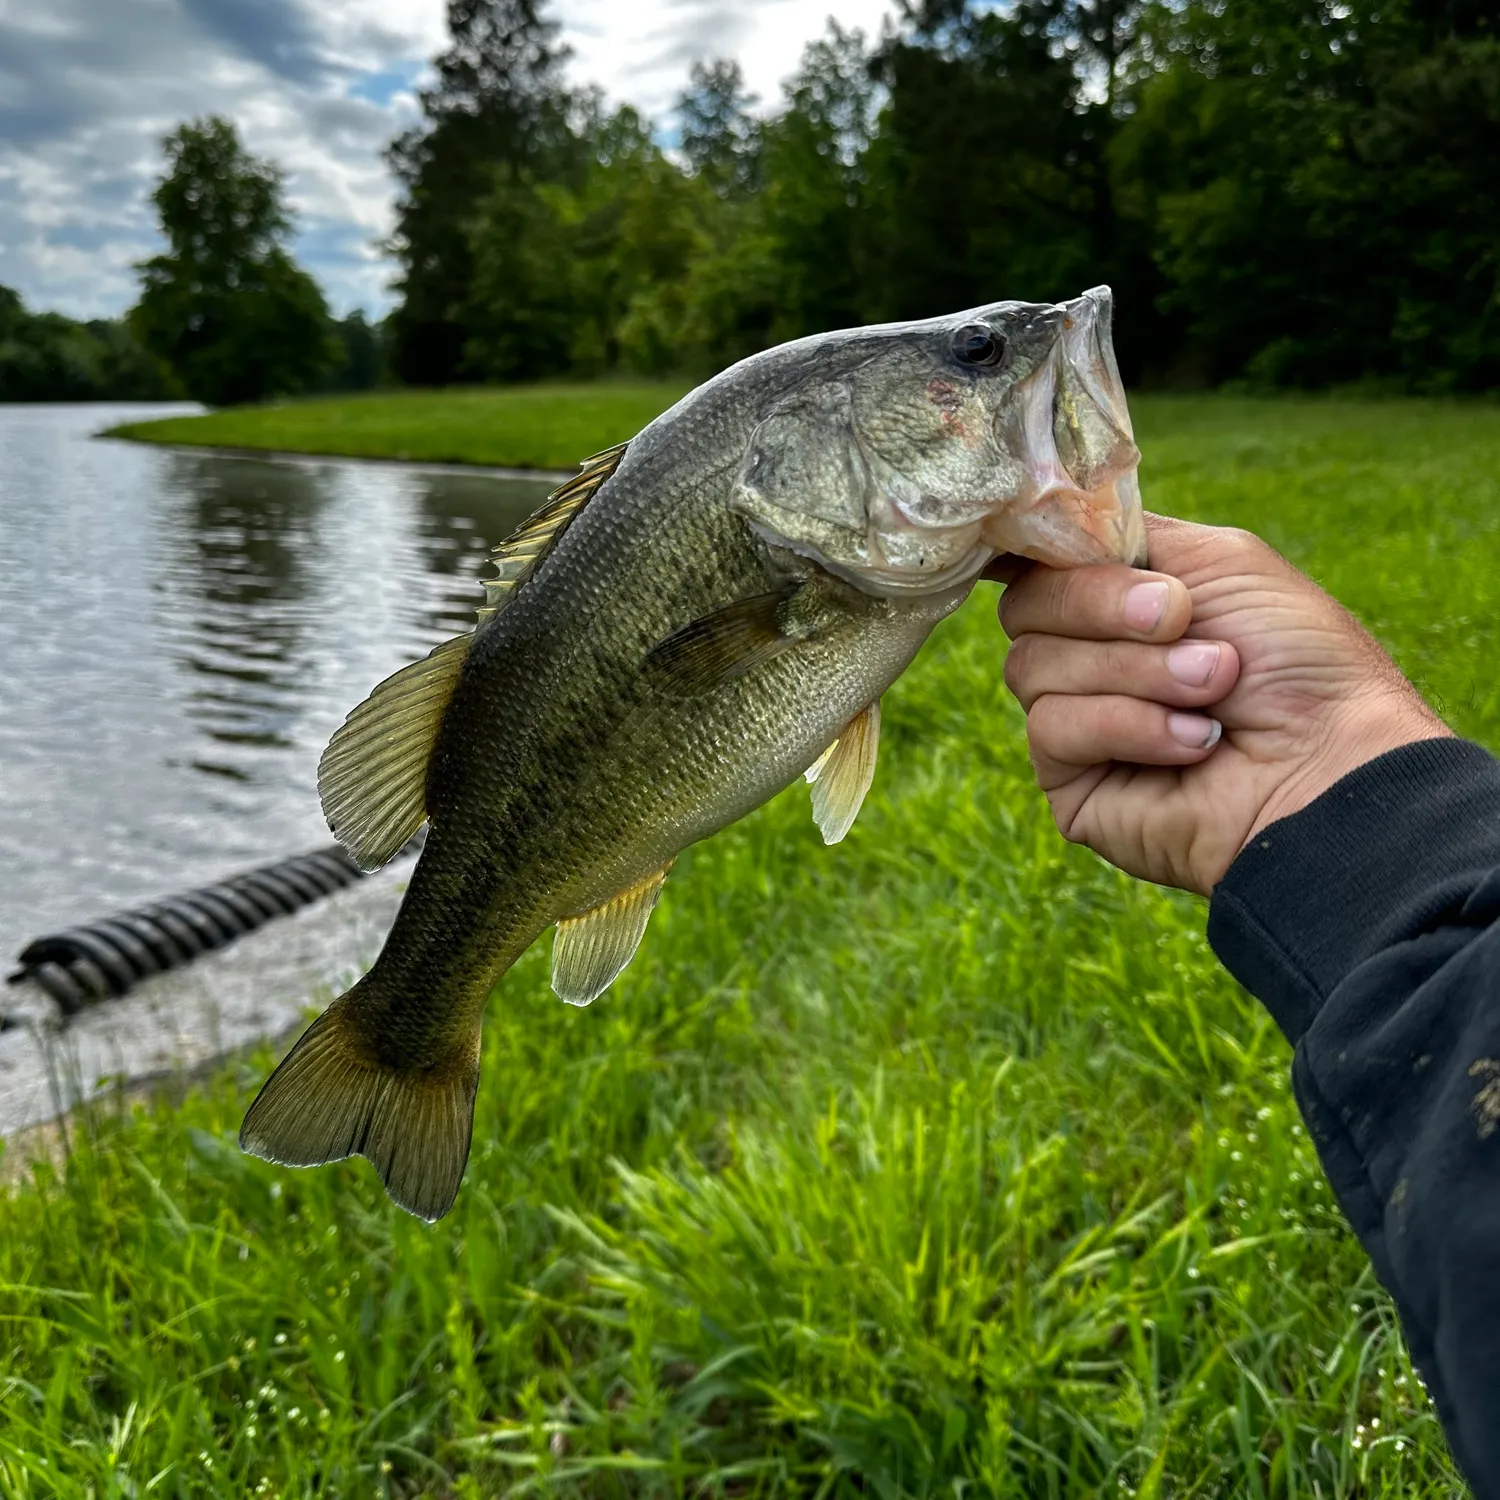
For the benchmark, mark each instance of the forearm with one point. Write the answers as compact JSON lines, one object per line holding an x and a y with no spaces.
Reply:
{"x":1369,"y":924}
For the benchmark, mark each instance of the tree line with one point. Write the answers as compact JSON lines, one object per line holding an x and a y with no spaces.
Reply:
{"x":1297,"y":192}
{"x":1282,"y":192}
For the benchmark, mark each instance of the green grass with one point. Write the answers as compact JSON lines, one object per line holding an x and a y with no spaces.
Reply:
{"x":946,"y":1162}
{"x":530,"y":426}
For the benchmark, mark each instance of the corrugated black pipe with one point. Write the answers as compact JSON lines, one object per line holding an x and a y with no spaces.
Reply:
{"x":103,"y":959}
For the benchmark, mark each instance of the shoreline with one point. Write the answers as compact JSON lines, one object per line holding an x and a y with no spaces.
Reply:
{"x":539,"y":432}
{"x":292,"y":455}
{"x":189,"y":1020}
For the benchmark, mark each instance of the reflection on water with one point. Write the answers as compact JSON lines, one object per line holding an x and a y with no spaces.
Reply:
{"x":180,"y":634}
{"x":232,"y":597}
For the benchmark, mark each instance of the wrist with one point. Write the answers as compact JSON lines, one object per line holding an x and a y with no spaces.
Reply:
{"x":1352,"y":739}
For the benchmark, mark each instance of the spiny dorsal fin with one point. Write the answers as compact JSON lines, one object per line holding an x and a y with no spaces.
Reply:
{"x":699,"y":656}
{"x":516,"y":558}
{"x":842,"y":774}
{"x":373,"y":775}
{"x":590,"y":949}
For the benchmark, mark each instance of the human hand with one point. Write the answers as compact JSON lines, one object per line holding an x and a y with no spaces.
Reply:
{"x":1115,"y":668}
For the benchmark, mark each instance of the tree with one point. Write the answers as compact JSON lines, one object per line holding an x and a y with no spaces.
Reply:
{"x":1293,"y":191}
{"x":498,"y":105}
{"x":787,"y":258}
{"x":983,"y":171}
{"x":814,"y":199}
{"x":360,"y":364}
{"x":225,"y":307}
{"x":47,"y":357}
{"x":1322,"y":189}
{"x":719,"y":136}
{"x":583,"y":278}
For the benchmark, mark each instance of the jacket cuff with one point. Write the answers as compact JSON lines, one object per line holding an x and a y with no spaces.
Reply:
{"x":1384,"y":854}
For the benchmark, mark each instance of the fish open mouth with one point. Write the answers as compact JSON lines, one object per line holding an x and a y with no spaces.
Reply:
{"x":1082,"y":500}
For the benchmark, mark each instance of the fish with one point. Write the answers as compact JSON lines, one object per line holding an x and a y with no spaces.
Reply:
{"x":699,"y":617}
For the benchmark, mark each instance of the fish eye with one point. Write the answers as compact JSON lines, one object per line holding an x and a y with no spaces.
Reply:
{"x":975,"y":344}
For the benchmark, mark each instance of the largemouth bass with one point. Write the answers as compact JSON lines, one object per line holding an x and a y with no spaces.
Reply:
{"x":702,"y":615}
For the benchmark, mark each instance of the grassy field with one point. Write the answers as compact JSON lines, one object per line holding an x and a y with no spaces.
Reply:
{"x":942,"y":1163}
{"x":532,"y":426}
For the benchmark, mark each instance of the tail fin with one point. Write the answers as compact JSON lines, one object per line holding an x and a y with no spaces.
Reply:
{"x":330,"y":1099}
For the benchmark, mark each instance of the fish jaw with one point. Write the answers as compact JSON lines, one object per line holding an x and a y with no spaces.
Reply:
{"x":1081,"y":500}
{"x":1065,"y":527}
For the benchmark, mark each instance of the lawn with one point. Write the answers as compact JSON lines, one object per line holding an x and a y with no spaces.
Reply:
{"x":944,"y":1162}
{"x":530,"y":426}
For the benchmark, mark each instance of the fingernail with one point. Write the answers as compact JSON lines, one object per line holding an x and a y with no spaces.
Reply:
{"x":1193,"y":662}
{"x":1145,"y":604}
{"x":1194,"y":730}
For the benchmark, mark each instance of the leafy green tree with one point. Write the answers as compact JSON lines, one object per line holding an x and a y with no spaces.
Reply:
{"x":497,"y":107}
{"x":816,"y":175}
{"x":225,"y":307}
{"x":719,"y":136}
{"x":1293,"y":191}
{"x":125,"y":369}
{"x":360,"y":364}
{"x":1322,"y":187}
{"x":47,"y":357}
{"x":523,"y":305}
{"x":584,"y":277}
{"x":785,"y":259}
{"x":983,"y":172}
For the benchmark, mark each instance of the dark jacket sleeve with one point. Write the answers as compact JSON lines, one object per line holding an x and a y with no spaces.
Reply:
{"x":1369,"y":925}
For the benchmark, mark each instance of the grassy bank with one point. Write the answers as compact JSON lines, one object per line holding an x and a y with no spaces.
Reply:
{"x":945,"y":1162}
{"x":533,"y":426}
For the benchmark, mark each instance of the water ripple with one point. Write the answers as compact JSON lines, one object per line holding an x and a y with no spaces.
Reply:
{"x":180,"y":634}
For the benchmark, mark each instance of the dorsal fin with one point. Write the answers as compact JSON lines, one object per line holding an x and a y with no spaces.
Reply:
{"x":373,"y":775}
{"x":517,"y":557}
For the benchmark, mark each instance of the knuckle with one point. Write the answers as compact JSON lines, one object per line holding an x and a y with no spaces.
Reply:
{"x":1244,"y":543}
{"x":1115,"y":717}
{"x":1018,"y":663}
{"x":1034,"y":731}
{"x":1117,"y":662}
{"x":1039,"y":726}
{"x":1070,"y":591}
{"x":1064,"y":819}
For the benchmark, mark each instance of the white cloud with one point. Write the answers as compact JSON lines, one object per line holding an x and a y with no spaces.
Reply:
{"x":641,"y":50}
{"x":88,"y":87}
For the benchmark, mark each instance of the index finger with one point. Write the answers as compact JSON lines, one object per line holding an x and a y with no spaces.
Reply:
{"x":1101,"y":602}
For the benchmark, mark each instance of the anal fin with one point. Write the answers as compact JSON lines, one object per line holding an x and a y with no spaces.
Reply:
{"x":842,"y":774}
{"x":590,"y":949}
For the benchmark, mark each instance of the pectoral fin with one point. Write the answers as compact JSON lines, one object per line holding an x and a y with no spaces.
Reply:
{"x":373,"y":775}
{"x":725,"y":644}
{"x":590,"y":949}
{"x":842,"y":774}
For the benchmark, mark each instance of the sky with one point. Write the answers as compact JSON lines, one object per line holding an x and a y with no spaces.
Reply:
{"x":89,"y":87}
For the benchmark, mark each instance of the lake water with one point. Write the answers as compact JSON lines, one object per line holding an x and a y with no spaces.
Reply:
{"x":180,"y":633}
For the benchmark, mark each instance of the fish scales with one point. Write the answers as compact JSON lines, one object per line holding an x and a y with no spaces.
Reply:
{"x":727,"y":603}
